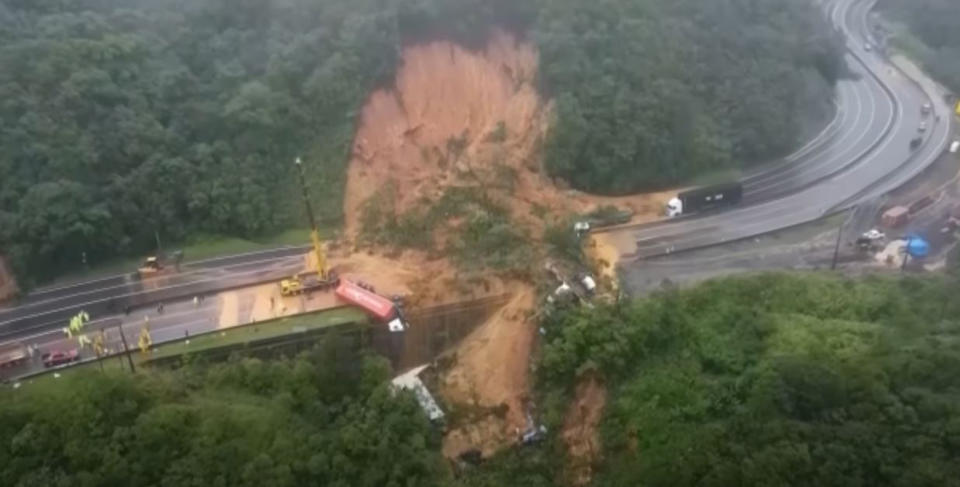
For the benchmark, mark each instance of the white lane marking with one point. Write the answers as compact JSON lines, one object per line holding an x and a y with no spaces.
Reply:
{"x":776,"y":206}
{"x":47,"y":290}
{"x":862,"y":129}
{"x":848,"y":152}
{"x":81,"y":305}
{"x":132,"y":319}
{"x":180,"y":275}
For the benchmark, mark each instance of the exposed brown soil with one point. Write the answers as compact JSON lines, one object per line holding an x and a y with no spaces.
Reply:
{"x":456,"y":117}
{"x":580,"y":429}
{"x":490,"y":373}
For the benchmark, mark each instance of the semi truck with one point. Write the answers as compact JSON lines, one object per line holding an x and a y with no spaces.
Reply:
{"x":704,"y":198}
{"x":379,"y":307}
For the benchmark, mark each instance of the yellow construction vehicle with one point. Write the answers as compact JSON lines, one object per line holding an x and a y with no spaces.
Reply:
{"x":160,"y":263}
{"x":151,"y":265}
{"x":307,"y":281}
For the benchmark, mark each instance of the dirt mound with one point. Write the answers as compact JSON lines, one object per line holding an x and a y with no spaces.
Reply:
{"x":450,"y":108}
{"x":489,"y":377}
{"x":459,"y":117}
{"x":580,"y":429}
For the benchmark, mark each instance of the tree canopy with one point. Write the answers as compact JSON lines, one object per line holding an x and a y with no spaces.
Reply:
{"x":243,"y":423}
{"x":934,"y":22}
{"x":769,"y":380}
{"x":652,"y":92}
{"x":773,"y":380}
{"x":125,"y":117}
{"x":120,"y":118}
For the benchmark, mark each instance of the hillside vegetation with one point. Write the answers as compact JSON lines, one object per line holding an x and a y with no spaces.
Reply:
{"x":652,"y":92}
{"x":934,"y":22}
{"x":125,"y":117}
{"x":310,"y":421}
{"x":771,"y":380}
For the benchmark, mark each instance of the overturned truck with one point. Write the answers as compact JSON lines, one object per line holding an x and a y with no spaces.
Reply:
{"x":379,"y":307}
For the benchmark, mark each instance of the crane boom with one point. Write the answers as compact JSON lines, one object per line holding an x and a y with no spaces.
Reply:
{"x":314,"y":233}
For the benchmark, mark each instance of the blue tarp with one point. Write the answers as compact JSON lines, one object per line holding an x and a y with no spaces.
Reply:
{"x":917,"y":246}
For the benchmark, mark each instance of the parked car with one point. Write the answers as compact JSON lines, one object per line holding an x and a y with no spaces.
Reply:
{"x":60,"y":357}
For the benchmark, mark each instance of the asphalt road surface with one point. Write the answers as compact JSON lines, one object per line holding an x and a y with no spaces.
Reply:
{"x":858,"y":169}
{"x":53,"y":307}
{"x":179,"y":320}
{"x":863,"y":152}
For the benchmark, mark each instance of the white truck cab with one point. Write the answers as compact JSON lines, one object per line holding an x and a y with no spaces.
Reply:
{"x":589,"y":284}
{"x":674,"y":207}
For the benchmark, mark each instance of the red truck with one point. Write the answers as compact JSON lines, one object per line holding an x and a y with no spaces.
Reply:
{"x":380,"y":307}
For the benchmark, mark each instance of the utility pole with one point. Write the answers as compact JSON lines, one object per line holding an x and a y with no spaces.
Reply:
{"x":126,"y":349}
{"x":156,"y":234}
{"x":836,"y":248}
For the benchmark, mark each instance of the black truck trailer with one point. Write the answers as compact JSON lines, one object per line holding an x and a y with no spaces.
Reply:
{"x":711,"y":197}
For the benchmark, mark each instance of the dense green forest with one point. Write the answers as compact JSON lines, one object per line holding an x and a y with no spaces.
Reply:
{"x":933,"y":22}
{"x":768,"y":380}
{"x":242,"y":423}
{"x":124,"y":117}
{"x":773,"y":380}
{"x":652,"y":92}
{"x":120,"y":118}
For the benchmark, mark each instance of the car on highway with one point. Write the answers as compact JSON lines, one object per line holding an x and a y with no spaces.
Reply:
{"x":922,"y":128}
{"x":916,"y":142}
{"x":954,"y":146}
{"x":926,"y":109}
{"x":867,"y":47}
{"x":60,"y":357}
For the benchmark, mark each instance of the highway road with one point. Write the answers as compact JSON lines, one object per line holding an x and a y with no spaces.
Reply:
{"x":863,"y":152}
{"x":178,"y":320}
{"x":857,"y":169}
{"x":52,"y":307}
{"x":865,"y":114}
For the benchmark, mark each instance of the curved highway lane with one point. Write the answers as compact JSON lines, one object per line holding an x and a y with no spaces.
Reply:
{"x":862,"y":151}
{"x":865,"y":114}
{"x":885,"y":163}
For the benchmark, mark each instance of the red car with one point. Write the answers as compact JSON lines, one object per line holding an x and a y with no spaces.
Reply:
{"x":60,"y":357}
